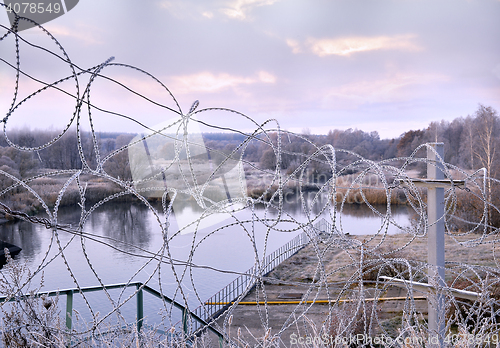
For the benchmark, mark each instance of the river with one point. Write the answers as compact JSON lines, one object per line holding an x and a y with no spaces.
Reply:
{"x":120,"y":229}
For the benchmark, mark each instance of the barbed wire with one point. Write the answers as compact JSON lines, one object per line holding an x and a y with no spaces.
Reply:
{"x":172,"y":162}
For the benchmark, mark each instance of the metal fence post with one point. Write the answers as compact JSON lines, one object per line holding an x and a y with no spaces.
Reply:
{"x":69,"y":309}
{"x":184,"y":322}
{"x":140,"y":307}
{"x":435,"y":253}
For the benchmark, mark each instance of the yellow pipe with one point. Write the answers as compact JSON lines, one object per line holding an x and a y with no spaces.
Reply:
{"x":317,"y":301}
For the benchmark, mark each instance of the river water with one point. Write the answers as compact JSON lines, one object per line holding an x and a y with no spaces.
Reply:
{"x":120,"y":229}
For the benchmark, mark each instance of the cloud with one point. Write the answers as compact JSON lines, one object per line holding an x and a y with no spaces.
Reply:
{"x":294,"y":45}
{"x":354,"y":44}
{"x":266,"y":77}
{"x":392,"y":89}
{"x":235,"y":9}
{"x":239,"y":9}
{"x":209,"y":82}
{"x":82,"y":33}
{"x":186,"y":9}
{"x":175,"y":8}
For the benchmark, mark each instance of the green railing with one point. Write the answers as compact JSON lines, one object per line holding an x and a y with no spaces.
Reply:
{"x":197,"y":324}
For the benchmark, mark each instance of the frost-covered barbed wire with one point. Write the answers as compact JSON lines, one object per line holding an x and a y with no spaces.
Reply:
{"x":172,"y":162}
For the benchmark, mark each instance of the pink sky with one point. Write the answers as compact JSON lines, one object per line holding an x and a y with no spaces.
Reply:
{"x":383,"y":65}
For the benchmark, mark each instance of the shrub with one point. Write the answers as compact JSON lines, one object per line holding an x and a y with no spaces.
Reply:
{"x":27,"y":320}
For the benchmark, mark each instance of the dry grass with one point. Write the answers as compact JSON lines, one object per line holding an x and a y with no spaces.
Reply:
{"x":373,"y":196}
{"x":48,"y":189}
{"x":28,"y":320}
{"x":341,"y":263}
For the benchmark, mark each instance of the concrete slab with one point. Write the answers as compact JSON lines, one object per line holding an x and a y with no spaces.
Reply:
{"x":266,"y":315}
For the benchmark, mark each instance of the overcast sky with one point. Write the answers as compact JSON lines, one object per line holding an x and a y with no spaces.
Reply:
{"x":377,"y":65}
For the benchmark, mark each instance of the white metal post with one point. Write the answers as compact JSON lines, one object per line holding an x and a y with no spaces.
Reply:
{"x":435,"y":253}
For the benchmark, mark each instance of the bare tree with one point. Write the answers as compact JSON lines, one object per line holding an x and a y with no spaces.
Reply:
{"x":486,"y":129}
{"x":486,"y":142}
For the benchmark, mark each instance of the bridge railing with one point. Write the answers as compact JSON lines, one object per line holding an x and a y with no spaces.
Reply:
{"x":323,"y":226}
{"x":191,"y":323}
{"x":244,"y":283}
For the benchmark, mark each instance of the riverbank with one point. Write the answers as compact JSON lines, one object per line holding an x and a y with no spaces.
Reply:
{"x":259,"y":186}
{"x":349,"y":189}
{"x":49,"y":188}
{"x":339,"y":263}
{"x":294,"y":298}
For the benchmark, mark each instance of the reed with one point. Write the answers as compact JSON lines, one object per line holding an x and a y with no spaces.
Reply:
{"x":372,"y":196}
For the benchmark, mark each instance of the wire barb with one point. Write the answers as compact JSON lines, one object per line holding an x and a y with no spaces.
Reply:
{"x":265,"y":185}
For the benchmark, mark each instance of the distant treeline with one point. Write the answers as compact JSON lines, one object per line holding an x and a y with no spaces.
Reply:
{"x":470,"y":142}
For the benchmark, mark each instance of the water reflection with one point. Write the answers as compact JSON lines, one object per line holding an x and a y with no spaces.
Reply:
{"x":363,"y":211}
{"x":317,"y":204}
{"x":21,"y":234}
{"x":127,"y":223}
